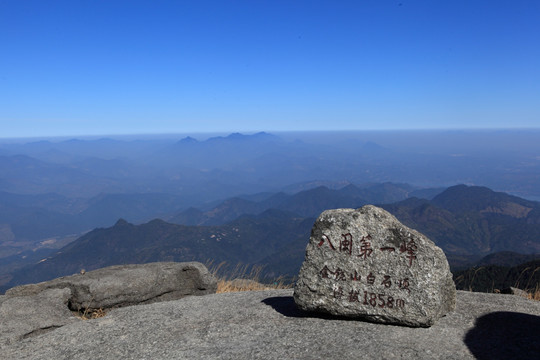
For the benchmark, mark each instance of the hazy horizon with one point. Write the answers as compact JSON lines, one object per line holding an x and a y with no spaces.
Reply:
{"x":204,"y":135}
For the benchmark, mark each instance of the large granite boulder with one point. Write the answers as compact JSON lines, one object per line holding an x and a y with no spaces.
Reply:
{"x":365,"y":264}
{"x":123,"y":285}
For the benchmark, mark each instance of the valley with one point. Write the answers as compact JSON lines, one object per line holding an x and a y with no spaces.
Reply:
{"x":251,"y":199}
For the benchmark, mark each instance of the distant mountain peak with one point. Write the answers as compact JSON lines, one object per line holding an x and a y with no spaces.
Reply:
{"x":236,"y":136}
{"x":264,"y":134}
{"x":460,"y":195}
{"x":188,"y":140}
{"x":481,"y":198}
{"x":121,"y":222}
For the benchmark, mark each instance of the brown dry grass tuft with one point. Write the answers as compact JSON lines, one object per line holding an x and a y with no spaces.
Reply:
{"x":530,"y":287}
{"x":243,"y":278}
{"x":534,"y":291}
{"x":535,"y":294}
{"x":89,"y":314}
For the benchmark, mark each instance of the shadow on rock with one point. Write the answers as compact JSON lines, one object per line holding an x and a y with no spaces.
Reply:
{"x":505,"y":335}
{"x":286,"y":306}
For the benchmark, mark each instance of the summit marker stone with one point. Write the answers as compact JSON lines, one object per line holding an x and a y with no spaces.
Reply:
{"x":365,"y":264}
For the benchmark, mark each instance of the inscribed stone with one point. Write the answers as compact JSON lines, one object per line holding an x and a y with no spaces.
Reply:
{"x":365,"y":264}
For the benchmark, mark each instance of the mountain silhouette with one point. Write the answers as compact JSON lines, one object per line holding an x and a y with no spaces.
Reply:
{"x":466,"y":221}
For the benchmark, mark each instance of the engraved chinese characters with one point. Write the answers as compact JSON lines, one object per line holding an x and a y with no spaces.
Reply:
{"x":365,"y":264}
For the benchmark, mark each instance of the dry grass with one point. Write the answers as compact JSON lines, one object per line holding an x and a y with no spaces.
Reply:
{"x":243,"y":278}
{"x":89,"y":314}
{"x":532,"y":289}
{"x":535,"y":294}
{"x":530,"y":278}
{"x":472,"y":280}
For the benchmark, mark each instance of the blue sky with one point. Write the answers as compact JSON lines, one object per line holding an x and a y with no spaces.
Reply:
{"x":124,"y":67}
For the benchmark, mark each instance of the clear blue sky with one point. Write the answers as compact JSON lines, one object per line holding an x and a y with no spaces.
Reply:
{"x":80,"y":67}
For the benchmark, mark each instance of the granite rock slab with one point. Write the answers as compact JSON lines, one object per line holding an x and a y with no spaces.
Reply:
{"x":26,"y":316}
{"x":123,"y":285}
{"x":268,"y":325}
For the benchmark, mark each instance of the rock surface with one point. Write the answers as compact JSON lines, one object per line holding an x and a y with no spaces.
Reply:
{"x":25,"y":316}
{"x":268,"y":325}
{"x":365,"y":264}
{"x":123,"y":285}
{"x":30,"y":310}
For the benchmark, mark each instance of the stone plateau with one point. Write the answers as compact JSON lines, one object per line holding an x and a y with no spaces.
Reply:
{"x":268,"y":325}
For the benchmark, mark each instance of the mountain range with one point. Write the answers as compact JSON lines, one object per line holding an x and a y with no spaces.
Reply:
{"x":467,"y":222}
{"x":54,"y":192}
{"x":473,"y":220}
{"x":51,"y":190}
{"x":307,"y":203}
{"x":223,"y":166}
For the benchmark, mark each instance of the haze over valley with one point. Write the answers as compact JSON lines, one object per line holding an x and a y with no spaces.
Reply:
{"x":258,"y":186}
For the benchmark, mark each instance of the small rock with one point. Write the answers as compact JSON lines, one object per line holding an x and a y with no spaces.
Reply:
{"x":515,"y":291}
{"x":365,"y":264}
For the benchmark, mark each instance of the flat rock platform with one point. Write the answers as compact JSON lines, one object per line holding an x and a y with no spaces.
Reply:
{"x":268,"y":325}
